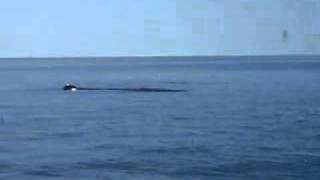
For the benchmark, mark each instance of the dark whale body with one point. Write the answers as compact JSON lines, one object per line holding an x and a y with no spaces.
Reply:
{"x":70,"y":87}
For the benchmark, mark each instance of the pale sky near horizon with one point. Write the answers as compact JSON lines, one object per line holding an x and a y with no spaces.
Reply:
{"x":151,"y":28}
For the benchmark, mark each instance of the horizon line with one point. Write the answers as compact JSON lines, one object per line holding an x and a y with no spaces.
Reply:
{"x":161,"y":56}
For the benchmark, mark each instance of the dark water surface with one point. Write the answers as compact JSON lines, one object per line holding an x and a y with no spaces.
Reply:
{"x":242,"y":118}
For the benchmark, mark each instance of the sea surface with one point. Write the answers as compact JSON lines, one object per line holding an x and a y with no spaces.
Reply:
{"x":241,"y":118}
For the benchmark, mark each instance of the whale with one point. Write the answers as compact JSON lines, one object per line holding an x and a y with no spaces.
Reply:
{"x":71,"y":87}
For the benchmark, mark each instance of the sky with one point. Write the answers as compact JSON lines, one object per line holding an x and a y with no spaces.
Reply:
{"x":60,"y":28}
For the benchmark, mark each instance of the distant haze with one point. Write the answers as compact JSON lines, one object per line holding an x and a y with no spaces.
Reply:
{"x":36,"y":28}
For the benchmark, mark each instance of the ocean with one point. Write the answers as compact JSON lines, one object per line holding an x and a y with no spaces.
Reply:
{"x":241,"y":118}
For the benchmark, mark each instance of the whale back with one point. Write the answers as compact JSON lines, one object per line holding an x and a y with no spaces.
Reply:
{"x":69,"y":87}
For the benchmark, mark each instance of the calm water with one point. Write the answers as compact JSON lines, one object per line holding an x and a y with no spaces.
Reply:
{"x":242,"y":118}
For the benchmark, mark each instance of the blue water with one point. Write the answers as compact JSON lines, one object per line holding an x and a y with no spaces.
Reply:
{"x":242,"y":118}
